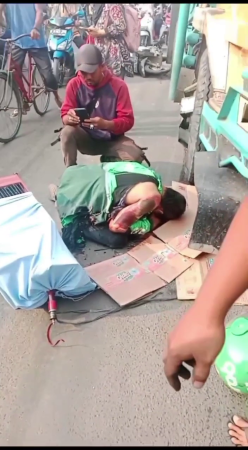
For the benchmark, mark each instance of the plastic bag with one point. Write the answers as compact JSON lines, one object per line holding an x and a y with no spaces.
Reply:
{"x":33,"y":256}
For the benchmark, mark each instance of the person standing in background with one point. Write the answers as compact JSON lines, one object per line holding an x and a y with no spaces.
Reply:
{"x":28,"y":18}
{"x":109,"y":25}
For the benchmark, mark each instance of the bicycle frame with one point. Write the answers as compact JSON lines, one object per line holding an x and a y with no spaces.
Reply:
{"x":13,"y":68}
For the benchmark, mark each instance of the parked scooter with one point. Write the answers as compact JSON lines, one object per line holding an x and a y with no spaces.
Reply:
{"x":60,"y":47}
{"x":149,"y":57}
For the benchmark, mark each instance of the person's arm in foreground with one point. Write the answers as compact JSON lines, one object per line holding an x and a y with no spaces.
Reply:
{"x":199,"y":336}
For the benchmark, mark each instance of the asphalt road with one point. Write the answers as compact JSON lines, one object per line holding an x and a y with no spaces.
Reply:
{"x":105,"y":386}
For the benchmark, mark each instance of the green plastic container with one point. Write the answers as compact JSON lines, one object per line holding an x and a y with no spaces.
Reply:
{"x":232,"y":362}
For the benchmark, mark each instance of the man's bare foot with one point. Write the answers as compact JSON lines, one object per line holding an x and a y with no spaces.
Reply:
{"x":238,"y":431}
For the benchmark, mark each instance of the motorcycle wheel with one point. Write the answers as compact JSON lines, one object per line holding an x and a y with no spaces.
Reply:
{"x":58,"y":71}
{"x":141,"y":69}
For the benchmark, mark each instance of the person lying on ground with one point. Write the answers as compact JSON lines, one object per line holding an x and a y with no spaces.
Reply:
{"x":200,"y":335}
{"x":107,"y":101}
{"x":28,"y":19}
{"x":118,"y":199}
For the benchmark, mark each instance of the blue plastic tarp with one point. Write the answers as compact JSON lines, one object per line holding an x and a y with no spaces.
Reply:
{"x":33,"y":256}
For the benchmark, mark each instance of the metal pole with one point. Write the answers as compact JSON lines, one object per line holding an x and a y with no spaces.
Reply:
{"x":182,"y":25}
{"x":172,"y":32}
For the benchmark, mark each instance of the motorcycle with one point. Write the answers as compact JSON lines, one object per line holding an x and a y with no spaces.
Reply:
{"x":60,"y":47}
{"x":149,"y":58}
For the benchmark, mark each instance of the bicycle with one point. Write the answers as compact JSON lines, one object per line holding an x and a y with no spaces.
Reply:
{"x":13,"y":78}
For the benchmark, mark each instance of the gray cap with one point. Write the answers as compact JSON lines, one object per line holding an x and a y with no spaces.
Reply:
{"x":88,"y":58}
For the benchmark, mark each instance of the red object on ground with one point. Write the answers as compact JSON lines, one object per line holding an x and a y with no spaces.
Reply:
{"x":12,"y":180}
{"x":52,"y":309}
{"x":52,"y":304}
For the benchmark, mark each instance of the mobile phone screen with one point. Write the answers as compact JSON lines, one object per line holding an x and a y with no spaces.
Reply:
{"x":82,"y":113}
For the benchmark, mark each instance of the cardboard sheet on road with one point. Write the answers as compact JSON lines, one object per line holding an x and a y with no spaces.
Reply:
{"x":124,"y":279}
{"x":158,"y":261}
{"x":176,"y":233}
{"x":188,"y":283}
{"x":159,"y":258}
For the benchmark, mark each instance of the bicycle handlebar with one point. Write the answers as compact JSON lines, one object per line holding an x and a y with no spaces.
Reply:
{"x":16,"y":39}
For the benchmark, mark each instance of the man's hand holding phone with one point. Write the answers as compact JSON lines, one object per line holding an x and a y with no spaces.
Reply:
{"x":71,"y":118}
{"x":80,"y":115}
{"x":97,"y":122}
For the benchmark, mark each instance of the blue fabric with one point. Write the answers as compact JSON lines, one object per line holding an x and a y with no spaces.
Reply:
{"x":33,"y":257}
{"x":21,"y":20}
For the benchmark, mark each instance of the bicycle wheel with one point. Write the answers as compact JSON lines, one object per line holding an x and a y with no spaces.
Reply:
{"x":10,"y":101}
{"x":41,"y":101}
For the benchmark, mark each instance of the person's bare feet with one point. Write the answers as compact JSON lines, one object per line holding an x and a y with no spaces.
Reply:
{"x":238,"y":431}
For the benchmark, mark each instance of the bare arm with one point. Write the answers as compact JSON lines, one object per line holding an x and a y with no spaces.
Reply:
{"x":228,"y":278}
{"x":2,"y":14}
{"x":40,"y":9}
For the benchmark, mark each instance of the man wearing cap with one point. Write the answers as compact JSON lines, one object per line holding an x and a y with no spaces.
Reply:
{"x":107,"y":101}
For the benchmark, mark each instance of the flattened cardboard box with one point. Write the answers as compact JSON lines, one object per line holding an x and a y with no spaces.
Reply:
{"x":160,"y":259}
{"x":176,"y":233}
{"x":123,"y":279}
{"x":189,"y":283}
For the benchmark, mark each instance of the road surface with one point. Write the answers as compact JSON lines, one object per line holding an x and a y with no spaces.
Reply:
{"x":105,"y":386}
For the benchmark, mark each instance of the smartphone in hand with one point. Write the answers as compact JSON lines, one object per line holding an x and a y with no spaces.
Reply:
{"x":82,"y":113}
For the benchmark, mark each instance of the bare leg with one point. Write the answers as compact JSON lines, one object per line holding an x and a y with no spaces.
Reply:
{"x":238,"y":431}
{"x":18,"y":56}
{"x":44,"y":66}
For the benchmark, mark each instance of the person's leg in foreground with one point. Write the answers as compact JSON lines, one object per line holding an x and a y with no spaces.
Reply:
{"x":200,"y":335}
